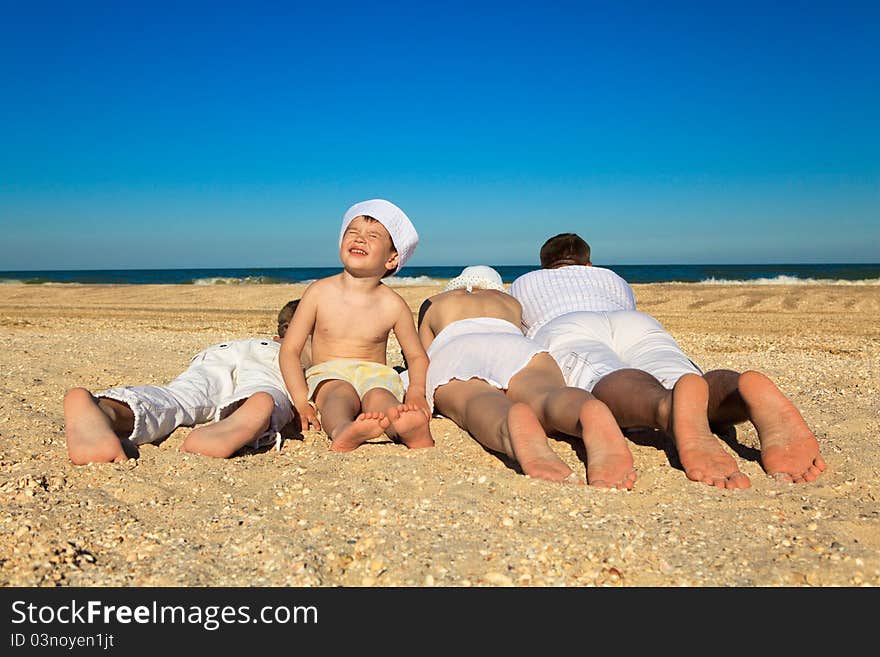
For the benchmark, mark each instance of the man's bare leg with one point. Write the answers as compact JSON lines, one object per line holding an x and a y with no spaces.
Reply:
{"x":789,"y":449}
{"x":407,"y":423}
{"x":224,"y":438}
{"x":91,"y":426}
{"x":700,"y":452}
{"x":576,"y":412}
{"x":347,"y":427}
{"x":502,"y":426}
{"x":637,"y":399}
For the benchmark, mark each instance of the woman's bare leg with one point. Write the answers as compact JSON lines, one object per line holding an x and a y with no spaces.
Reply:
{"x":501,"y":425}
{"x":576,"y":412}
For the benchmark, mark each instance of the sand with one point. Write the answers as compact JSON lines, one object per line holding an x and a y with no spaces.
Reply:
{"x":454,"y":515}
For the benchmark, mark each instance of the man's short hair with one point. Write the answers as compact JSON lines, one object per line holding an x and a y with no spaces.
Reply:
{"x":285,"y":315}
{"x":564,"y":249}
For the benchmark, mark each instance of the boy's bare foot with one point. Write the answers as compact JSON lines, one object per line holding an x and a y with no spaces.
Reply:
{"x":699,"y":451}
{"x":411,"y":425}
{"x":224,"y":438}
{"x":89,"y":432}
{"x":354,"y":434}
{"x":789,"y":449}
{"x":609,"y":460}
{"x":530,"y":447}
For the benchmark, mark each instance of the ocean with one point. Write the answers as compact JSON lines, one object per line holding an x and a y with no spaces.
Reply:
{"x":774,"y":274}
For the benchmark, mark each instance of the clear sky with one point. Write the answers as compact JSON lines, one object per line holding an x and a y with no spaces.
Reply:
{"x":139,"y":135}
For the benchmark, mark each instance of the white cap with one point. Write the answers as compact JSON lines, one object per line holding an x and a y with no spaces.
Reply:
{"x":398,"y":225}
{"x":477,"y":276}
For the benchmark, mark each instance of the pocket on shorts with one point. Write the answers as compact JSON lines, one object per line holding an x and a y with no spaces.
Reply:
{"x":577,"y":369}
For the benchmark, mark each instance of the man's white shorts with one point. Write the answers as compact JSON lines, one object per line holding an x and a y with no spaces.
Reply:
{"x":590,"y":345}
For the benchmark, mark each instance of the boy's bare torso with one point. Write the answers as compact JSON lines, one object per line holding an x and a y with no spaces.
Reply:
{"x":448,"y":307}
{"x":353,"y":323}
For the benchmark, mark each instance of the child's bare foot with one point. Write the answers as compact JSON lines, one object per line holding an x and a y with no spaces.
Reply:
{"x":609,"y":460}
{"x":530,"y":447}
{"x":89,"y":432}
{"x":224,"y":438}
{"x":699,"y":451}
{"x":411,"y":425}
{"x":354,"y":434}
{"x":789,"y":449}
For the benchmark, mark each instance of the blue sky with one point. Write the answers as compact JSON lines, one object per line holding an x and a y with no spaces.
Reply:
{"x":222,"y":135}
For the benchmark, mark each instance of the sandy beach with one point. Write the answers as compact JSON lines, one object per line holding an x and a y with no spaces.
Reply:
{"x":454,"y":515}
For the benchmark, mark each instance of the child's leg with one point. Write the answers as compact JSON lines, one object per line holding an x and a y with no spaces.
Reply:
{"x":407,"y":423}
{"x":348,"y":428}
{"x":576,"y":412}
{"x":91,"y":427}
{"x":224,"y":438}
{"x":502,"y":426}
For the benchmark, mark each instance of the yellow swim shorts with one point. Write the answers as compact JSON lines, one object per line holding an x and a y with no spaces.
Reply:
{"x":362,"y":374}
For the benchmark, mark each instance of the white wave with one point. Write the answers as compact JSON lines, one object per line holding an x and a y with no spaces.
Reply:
{"x":411,"y":281}
{"x":790,"y":280}
{"x":234,"y":280}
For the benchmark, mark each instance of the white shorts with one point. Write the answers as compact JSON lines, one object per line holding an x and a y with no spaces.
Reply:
{"x":217,"y":381}
{"x":484,"y":348}
{"x":591,"y":345}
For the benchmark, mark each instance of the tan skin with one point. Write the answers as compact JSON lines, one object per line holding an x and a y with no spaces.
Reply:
{"x":350,"y":316}
{"x":718,"y":399}
{"x":537,"y":400}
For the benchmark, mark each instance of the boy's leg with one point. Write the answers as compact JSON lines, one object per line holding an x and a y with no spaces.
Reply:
{"x":406,"y":422}
{"x":92,"y":428}
{"x":501,"y":425}
{"x":342,"y":419}
{"x":224,"y":438}
{"x":576,"y":412}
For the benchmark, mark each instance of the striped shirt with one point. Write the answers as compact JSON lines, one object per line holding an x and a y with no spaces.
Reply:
{"x":546,"y":294}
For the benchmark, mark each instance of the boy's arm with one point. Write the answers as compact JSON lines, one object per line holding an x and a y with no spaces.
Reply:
{"x":416,"y":358}
{"x":289,"y":359}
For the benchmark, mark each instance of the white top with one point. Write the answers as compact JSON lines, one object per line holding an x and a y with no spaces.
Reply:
{"x":546,"y":294}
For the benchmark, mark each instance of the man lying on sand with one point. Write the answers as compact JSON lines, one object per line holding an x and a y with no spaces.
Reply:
{"x":234,"y":386}
{"x":586,"y":317}
{"x":506,"y":390}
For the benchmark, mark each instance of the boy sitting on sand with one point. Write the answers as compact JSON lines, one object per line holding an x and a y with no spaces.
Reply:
{"x":349,"y":317}
{"x":235,"y":385}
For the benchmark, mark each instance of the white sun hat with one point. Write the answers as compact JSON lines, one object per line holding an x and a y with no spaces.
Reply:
{"x":481,"y":277}
{"x":398,"y":225}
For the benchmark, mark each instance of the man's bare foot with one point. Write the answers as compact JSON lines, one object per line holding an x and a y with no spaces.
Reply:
{"x":789,"y":449}
{"x":411,"y":425}
{"x":224,"y":438}
{"x":609,"y":460}
{"x":530,"y":447}
{"x":354,"y":434}
{"x":700,"y":452}
{"x":89,"y":431}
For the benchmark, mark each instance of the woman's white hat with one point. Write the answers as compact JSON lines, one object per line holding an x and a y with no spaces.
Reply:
{"x":398,"y":225}
{"x":481,"y":277}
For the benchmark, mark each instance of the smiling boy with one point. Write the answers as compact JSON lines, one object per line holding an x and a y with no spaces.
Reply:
{"x":349,"y":317}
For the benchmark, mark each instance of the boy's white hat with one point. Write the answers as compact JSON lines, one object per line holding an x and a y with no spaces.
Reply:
{"x":398,"y":225}
{"x":477,"y":276}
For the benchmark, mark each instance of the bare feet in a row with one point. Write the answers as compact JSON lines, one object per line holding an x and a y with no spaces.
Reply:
{"x":700,"y":452}
{"x":609,"y":459}
{"x":89,"y":431}
{"x":789,"y":449}
{"x":411,"y":425}
{"x":531,"y":450}
{"x":364,"y":427}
